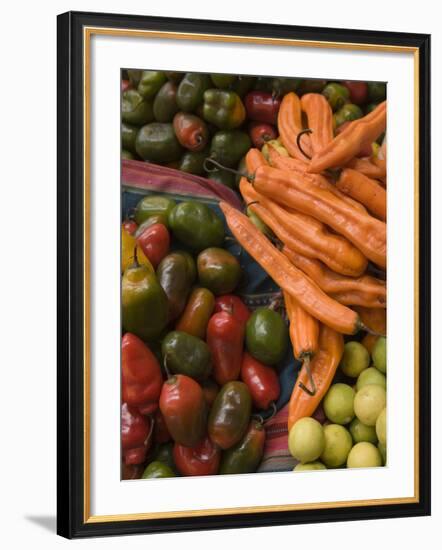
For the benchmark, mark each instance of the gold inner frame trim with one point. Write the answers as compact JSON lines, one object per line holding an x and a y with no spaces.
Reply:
{"x":87,"y":34}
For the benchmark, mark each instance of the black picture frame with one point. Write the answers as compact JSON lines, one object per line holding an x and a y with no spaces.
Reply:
{"x":70,"y":204}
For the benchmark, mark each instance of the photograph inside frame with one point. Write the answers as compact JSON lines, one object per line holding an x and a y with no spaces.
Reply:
{"x":253,"y":274}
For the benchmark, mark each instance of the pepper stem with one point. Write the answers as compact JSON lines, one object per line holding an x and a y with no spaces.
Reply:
{"x":306,"y":365}
{"x":169,"y":376}
{"x":370,"y":331}
{"x":136,"y":262}
{"x":298,"y":141}
{"x":219,"y":166}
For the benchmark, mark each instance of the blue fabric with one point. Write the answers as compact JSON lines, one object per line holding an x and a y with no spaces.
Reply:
{"x":256,"y":288}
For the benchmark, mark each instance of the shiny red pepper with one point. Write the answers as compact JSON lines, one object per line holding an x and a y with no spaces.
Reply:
{"x":262,"y":381}
{"x":141,"y":375}
{"x":184,"y":409}
{"x":233,"y":305}
{"x":154,"y":241}
{"x":160,"y":431}
{"x":262,"y":107}
{"x":225,"y":338}
{"x":130,"y":226}
{"x":126,"y":85}
{"x":202,"y":460}
{"x":136,"y":435}
{"x":261,"y":132}
{"x":131,"y":471}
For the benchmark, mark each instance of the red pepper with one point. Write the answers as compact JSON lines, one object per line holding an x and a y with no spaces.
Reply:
{"x":130,"y":226}
{"x":262,"y":107}
{"x":126,"y":85}
{"x":160,"y":431}
{"x":184,"y":409}
{"x":261,"y":132}
{"x":202,"y":460}
{"x":225,"y":338}
{"x":233,"y":305}
{"x":358,"y":91}
{"x":131,"y":471}
{"x":154,"y":241}
{"x":262,"y":381}
{"x":141,"y":375}
{"x":135,"y":435}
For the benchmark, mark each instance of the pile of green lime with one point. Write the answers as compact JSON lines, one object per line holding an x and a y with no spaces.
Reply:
{"x":355,"y":432}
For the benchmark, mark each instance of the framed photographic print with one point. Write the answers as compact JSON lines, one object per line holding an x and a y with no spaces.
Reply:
{"x":226,"y":194}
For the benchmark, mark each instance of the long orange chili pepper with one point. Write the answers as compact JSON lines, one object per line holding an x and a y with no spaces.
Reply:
{"x":363,"y":291}
{"x":292,"y":190}
{"x":304,"y":336}
{"x":320,"y":120}
{"x":323,"y":368}
{"x":288,"y":277}
{"x":365,"y":190}
{"x":376,"y":320}
{"x":367,"y":167}
{"x":288,"y":163}
{"x":305,"y":234}
{"x":348,"y":143}
{"x":290,"y":125}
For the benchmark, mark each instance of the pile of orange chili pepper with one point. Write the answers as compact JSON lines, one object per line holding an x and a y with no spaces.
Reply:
{"x":326,"y":207}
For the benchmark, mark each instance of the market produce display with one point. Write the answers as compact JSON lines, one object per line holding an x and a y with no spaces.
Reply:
{"x":233,"y":178}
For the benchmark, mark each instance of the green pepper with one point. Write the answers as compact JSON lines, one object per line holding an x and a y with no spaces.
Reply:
{"x":191,"y":90}
{"x":192,"y":162}
{"x":175,"y":277}
{"x":163,"y":453}
{"x":164,"y":104}
{"x":150,"y":83}
{"x":144,"y":302}
{"x":186,"y":354}
{"x":230,"y":414}
{"x":225,"y":178}
{"x":347,"y":113}
{"x":223,"y":108}
{"x":267,"y":336}
{"x":229,"y":146}
{"x":153,"y":205}
{"x":157,"y":469}
{"x":263,"y":84}
{"x":218,"y":270}
{"x":377,"y":91}
{"x":196,"y":225}
{"x":223,"y":80}
{"x":157,"y":142}
{"x":134,"y":76}
{"x":127,"y":155}
{"x":337,"y":95}
{"x":243,"y":84}
{"x":282,"y":85}
{"x":128,"y":136}
{"x":246,"y":455}
{"x":311,"y":86}
{"x":134,"y":109}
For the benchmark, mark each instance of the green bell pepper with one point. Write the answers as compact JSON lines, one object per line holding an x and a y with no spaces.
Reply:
{"x":150,"y":83}
{"x":223,"y":108}
{"x":157,"y":142}
{"x":229,"y":146}
{"x":186,"y":354}
{"x":191,"y":90}
{"x":134,"y":109}
{"x":164,"y":105}
{"x":157,"y":469}
{"x":196,"y":225}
